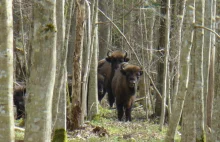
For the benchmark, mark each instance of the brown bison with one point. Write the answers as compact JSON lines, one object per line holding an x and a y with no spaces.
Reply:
{"x":101,"y":89}
{"x":124,"y":87}
{"x":107,"y":67}
{"x":19,"y":101}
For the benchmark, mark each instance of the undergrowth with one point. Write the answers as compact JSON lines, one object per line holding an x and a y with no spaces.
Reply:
{"x":106,"y":128}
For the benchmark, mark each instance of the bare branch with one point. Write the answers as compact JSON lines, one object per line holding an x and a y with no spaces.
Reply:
{"x":122,"y":35}
{"x":202,"y":27}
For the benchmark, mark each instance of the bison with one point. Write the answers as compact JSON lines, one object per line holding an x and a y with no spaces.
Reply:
{"x":124,"y":87}
{"x":101,"y":89}
{"x":107,"y":67}
{"x":19,"y":101}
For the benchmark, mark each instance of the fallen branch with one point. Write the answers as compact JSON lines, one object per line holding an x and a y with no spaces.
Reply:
{"x":19,"y":129}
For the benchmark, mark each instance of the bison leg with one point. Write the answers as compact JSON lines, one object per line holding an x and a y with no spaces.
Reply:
{"x":120,"y":112}
{"x":101,"y":95}
{"x":128,"y":114}
{"x":111,"y":99}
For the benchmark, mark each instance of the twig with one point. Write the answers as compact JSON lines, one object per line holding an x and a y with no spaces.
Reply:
{"x":121,"y":34}
{"x":202,"y":27}
{"x":132,"y":50}
{"x":151,"y":80}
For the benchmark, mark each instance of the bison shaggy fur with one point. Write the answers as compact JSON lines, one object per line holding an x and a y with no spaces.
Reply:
{"x":107,"y":67}
{"x":124,"y":88}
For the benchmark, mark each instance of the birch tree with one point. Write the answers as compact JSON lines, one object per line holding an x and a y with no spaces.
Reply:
{"x":42,"y":72}
{"x":6,"y":73}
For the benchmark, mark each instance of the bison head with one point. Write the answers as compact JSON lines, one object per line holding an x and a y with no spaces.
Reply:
{"x":116,"y":58}
{"x":132,"y":73}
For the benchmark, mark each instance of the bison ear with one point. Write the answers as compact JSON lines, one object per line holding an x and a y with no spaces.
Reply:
{"x":127,"y":59}
{"x":122,"y":68}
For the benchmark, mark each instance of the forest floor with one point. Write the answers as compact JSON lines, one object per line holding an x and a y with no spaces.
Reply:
{"x":106,"y":128}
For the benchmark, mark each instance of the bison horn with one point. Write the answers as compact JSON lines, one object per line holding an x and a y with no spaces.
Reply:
{"x":108,"y":54}
{"x":126,"y":53}
{"x":123,"y":66}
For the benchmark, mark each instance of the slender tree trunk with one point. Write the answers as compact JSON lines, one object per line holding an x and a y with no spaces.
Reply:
{"x":59,"y":93}
{"x":93,"y":92}
{"x":76,"y":120}
{"x":142,"y":84}
{"x":160,"y":68}
{"x":87,"y":59}
{"x":199,"y":80}
{"x":167,"y":46}
{"x":211,"y":81}
{"x":149,"y":23}
{"x":71,"y":18}
{"x":188,"y":115}
{"x":104,"y":28}
{"x":184,"y":61}
{"x":43,"y":62}
{"x":206,"y":60}
{"x":6,"y":66}
{"x":215,"y":114}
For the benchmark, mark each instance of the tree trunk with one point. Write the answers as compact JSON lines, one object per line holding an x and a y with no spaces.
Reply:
{"x":58,"y":113}
{"x":93,"y":92}
{"x":104,"y":28}
{"x":165,"y":72}
{"x":184,"y":61}
{"x":142,"y":83}
{"x":77,"y":66}
{"x":199,"y":80}
{"x":215,"y":114}
{"x":6,"y":66}
{"x":211,"y":73}
{"x":188,"y":115}
{"x":71,"y":19}
{"x":42,"y":73}
{"x":87,"y":52}
{"x":160,"y":68}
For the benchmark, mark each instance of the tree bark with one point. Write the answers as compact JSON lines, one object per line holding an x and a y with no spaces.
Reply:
{"x":42,"y":73}
{"x":165,"y":72}
{"x":93,"y":89}
{"x":211,"y":73}
{"x":188,"y":115}
{"x":6,"y":73}
{"x":59,"y":93}
{"x":76,"y":120}
{"x":199,"y":80}
{"x":104,"y":28}
{"x":160,"y":69}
